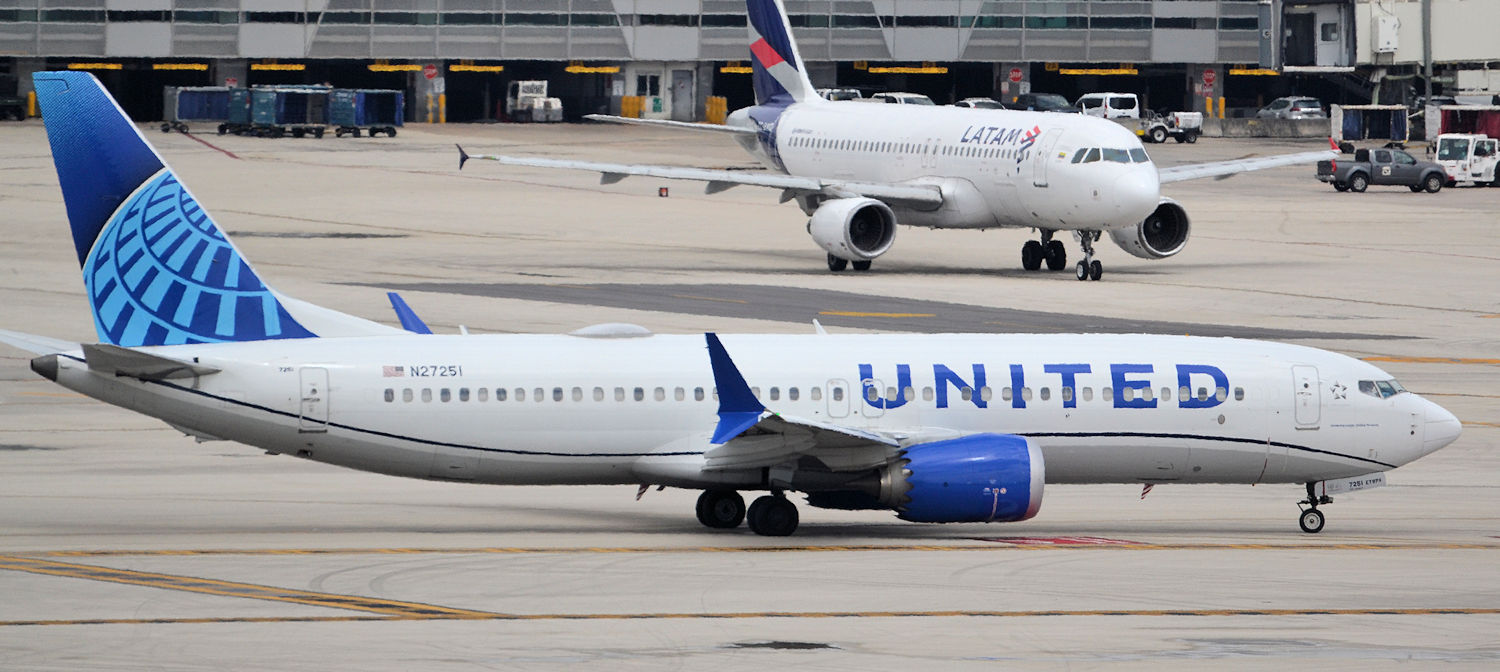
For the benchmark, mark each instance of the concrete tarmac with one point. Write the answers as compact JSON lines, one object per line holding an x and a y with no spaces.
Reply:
{"x":124,"y":545}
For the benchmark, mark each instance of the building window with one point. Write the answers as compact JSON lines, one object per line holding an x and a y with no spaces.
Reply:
{"x":648,"y":85}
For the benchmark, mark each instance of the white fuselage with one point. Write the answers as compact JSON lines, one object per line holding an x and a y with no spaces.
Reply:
{"x":997,"y":168}
{"x":564,"y":409}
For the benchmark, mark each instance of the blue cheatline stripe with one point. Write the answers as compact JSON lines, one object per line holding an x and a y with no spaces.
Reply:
{"x":448,"y":444}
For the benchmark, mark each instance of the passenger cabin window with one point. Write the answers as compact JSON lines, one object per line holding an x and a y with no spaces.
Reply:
{"x":499,"y":394}
{"x":427,"y":394}
{"x":577,"y":394}
{"x":482,"y":394}
{"x":815,"y":394}
{"x":390,"y":395}
{"x":406,"y":395}
{"x":598,"y":394}
{"x":463,"y":394}
{"x":445,"y":395}
{"x":697,"y":394}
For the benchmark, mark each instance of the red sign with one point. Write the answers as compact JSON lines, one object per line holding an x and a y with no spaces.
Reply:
{"x":1209,"y":76}
{"x":429,"y":71}
{"x":1015,"y":74}
{"x":231,"y":82}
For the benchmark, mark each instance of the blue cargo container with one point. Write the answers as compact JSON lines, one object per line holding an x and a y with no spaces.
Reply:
{"x":194,"y":103}
{"x":274,"y":111}
{"x":373,"y":110}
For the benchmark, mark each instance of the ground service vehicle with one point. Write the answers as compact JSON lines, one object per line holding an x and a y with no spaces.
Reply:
{"x":1293,"y":107}
{"x":526,"y":100}
{"x":1110,"y":105}
{"x":840,"y":94}
{"x":980,"y":103}
{"x":901,"y":98}
{"x":1180,"y":126}
{"x":1382,"y":166}
{"x":1469,"y":158}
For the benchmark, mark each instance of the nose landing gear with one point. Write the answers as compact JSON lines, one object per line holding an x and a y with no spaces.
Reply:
{"x":1311,"y":520}
{"x":1089,"y":268}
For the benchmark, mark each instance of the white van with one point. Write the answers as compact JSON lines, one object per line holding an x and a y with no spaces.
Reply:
{"x":1109,"y":105}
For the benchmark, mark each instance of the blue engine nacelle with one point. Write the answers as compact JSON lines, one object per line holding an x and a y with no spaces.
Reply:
{"x":974,"y":479}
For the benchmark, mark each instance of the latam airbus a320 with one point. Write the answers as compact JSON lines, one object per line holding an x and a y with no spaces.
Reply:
{"x":859,"y":169}
{"x":938,"y":428}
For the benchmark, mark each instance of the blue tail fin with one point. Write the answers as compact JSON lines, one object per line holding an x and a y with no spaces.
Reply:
{"x":779,"y":76}
{"x":158,"y":270}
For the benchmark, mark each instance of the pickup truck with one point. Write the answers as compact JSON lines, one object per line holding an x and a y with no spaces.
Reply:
{"x":1382,"y":166}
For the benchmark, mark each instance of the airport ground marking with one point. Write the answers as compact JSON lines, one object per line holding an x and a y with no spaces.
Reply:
{"x":253,"y":591}
{"x":746,"y":615}
{"x":989,"y":544}
{"x":857,"y":313}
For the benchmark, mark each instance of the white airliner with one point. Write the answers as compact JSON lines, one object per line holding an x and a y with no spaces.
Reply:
{"x":859,"y":169}
{"x":938,"y":428}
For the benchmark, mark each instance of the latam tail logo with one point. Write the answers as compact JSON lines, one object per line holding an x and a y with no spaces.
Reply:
{"x":777,"y":77}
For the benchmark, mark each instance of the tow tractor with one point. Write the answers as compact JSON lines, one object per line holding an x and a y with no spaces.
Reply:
{"x":1180,"y":126}
{"x":1469,"y":158}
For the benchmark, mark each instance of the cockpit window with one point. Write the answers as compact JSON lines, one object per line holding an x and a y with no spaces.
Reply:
{"x":1092,"y":156}
{"x":1116,"y":155}
{"x":1381,"y":389}
{"x":1138,"y":155}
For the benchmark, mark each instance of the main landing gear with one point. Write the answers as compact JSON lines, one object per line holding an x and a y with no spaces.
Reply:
{"x":1034,"y":252}
{"x":1089,"y":268}
{"x":1311,"y":520}
{"x":837,"y":264}
{"x":769,"y":516}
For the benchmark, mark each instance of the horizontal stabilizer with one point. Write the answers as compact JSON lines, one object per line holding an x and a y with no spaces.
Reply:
{"x":665,"y":123}
{"x":113,"y":359}
{"x":40,"y":345}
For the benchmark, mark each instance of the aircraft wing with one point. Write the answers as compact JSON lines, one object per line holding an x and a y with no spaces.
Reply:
{"x":678,"y":125}
{"x":1226,"y":169}
{"x":720,"y":180}
{"x":777,"y":439}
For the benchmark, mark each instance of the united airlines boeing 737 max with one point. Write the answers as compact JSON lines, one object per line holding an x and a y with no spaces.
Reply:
{"x":859,"y":169}
{"x":938,"y":428}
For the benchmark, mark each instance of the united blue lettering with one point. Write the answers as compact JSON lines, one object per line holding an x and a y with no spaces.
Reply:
{"x":1017,"y":383}
{"x":903,"y":383}
{"x":1069,"y":373}
{"x":944,"y":375}
{"x":1117,"y":373}
{"x":1185,"y":373}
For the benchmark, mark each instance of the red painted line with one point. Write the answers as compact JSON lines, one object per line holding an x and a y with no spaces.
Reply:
{"x":1059,"y":541}
{"x":210,"y":145}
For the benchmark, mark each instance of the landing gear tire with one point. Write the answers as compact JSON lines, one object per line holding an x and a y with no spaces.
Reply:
{"x":721,"y":509}
{"x":1359,"y":183}
{"x":1433,"y":184}
{"x":772,"y":516}
{"x":1089,"y":268}
{"x":1056,"y":255}
{"x":1096,"y":270}
{"x":1311,"y":521}
{"x":837,"y":264}
{"x":1032,"y":255}
{"x":861,"y":265}
{"x":1082,"y":270}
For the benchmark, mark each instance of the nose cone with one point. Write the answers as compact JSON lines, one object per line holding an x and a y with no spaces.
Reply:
{"x":1442,"y":428}
{"x":1137,"y":193}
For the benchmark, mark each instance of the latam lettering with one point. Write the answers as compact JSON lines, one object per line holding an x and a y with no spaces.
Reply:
{"x":991,"y":135}
{"x":1136,"y":378}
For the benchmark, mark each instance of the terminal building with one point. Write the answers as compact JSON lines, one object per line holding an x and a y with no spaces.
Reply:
{"x":1221,"y":56}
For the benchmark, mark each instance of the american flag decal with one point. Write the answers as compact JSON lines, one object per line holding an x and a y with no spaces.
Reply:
{"x":393,"y":371}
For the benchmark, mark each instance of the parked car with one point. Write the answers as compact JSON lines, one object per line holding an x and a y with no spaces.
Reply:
{"x":902,"y":98}
{"x":1110,"y":105}
{"x":840,"y":94}
{"x":1382,"y":166}
{"x":980,"y":103}
{"x":1292,"y":107}
{"x":1041,"y":102}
